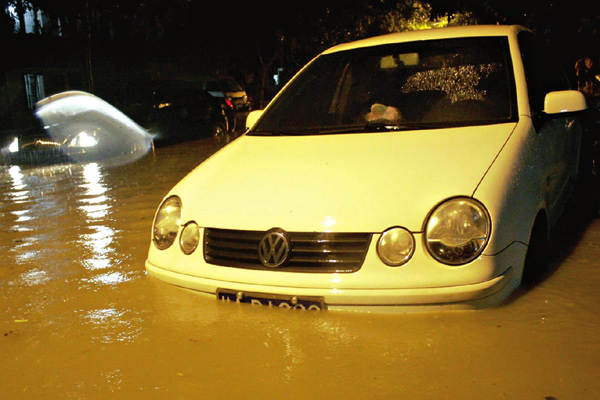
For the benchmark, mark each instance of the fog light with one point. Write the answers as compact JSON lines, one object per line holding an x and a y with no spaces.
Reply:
{"x":190,"y":237}
{"x":396,"y":246}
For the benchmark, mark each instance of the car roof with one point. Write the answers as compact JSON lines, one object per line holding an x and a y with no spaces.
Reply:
{"x":431,"y":34}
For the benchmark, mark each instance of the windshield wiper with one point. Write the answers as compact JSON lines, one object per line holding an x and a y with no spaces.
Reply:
{"x":377,"y":127}
{"x":355,"y":128}
{"x":274,"y":132}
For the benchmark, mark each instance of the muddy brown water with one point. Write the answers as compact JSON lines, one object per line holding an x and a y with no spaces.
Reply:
{"x":79,"y":318}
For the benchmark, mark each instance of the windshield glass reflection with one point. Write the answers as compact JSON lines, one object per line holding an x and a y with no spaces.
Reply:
{"x":404,"y":86}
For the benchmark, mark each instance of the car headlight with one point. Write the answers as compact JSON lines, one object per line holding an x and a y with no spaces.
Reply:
{"x":396,"y":246}
{"x":83,"y":139}
{"x":457,"y":231}
{"x":14,"y":146}
{"x":166,"y":223}
{"x":190,"y":237}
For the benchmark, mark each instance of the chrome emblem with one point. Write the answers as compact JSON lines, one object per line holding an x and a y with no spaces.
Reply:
{"x":274,"y":248}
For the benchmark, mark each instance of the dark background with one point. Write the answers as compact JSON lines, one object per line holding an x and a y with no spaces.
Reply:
{"x":113,"y":48}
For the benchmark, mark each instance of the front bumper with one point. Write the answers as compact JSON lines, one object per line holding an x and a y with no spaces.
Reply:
{"x":463,"y":297}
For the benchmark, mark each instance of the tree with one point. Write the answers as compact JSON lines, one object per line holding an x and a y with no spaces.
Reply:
{"x":351,"y":21}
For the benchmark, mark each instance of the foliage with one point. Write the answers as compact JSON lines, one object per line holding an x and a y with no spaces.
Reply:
{"x":380,"y":17}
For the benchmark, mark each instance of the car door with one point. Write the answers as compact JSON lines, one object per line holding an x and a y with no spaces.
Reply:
{"x":204,"y":106}
{"x":555,"y":136}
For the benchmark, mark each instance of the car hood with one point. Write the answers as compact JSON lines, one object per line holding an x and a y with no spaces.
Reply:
{"x":344,"y":183}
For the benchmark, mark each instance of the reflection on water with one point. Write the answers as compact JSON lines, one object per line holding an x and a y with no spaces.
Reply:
{"x":95,"y":205}
{"x":79,"y":319}
{"x":18,"y":194}
{"x":34,"y":277}
{"x":111,"y":325}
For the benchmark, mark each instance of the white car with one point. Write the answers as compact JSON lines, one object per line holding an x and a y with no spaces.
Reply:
{"x":411,"y":171}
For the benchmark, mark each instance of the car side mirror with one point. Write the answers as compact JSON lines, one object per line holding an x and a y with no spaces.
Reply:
{"x":564,"y":101}
{"x":253,"y":116}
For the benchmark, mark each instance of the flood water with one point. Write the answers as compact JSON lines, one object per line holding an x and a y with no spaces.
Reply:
{"x":79,"y":318}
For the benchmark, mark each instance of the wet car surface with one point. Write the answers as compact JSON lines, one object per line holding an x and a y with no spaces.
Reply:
{"x":408,"y":171}
{"x":79,"y":318}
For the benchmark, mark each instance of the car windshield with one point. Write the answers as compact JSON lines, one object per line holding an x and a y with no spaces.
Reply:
{"x":405,"y":86}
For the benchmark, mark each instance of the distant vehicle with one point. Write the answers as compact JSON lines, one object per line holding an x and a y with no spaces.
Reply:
{"x":76,"y":126}
{"x":420,"y":170}
{"x":183,"y":111}
{"x":34,"y":146}
{"x":228,"y":89}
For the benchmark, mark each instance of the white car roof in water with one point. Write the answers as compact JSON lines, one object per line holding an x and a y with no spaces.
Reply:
{"x":431,"y":34}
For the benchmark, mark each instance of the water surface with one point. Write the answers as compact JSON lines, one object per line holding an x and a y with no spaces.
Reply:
{"x":79,"y":318}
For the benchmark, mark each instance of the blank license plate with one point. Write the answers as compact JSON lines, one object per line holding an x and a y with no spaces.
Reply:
{"x":272,"y":300}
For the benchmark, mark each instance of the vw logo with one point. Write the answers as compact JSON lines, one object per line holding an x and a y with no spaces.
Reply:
{"x":274,"y":248}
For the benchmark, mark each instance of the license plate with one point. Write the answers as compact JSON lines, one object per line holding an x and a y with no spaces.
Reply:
{"x":272,"y":300}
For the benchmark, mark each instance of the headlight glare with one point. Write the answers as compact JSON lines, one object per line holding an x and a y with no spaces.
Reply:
{"x":396,"y":246}
{"x":457,"y":231}
{"x":14,"y":146}
{"x":190,"y":237}
{"x":166,"y":223}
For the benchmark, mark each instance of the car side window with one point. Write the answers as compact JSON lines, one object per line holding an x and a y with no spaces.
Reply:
{"x":542,"y":71}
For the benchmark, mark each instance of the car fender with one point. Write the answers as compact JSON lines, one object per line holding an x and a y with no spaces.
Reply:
{"x":512,"y":188}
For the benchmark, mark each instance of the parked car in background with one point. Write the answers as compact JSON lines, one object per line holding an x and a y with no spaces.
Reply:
{"x":228,"y":89}
{"x":420,"y":170}
{"x":179,"y":110}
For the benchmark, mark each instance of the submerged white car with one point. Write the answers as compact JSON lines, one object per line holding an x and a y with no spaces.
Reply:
{"x":419,"y":170}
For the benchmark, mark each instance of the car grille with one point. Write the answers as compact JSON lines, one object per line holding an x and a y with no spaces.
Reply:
{"x":310,"y":251}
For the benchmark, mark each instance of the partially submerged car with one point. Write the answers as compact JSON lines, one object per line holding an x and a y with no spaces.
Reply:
{"x":33,"y":146}
{"x":180,"y":110}
{"x":228,"y":89}
{"x":419,"y":170}
{"x":76,"y":126}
